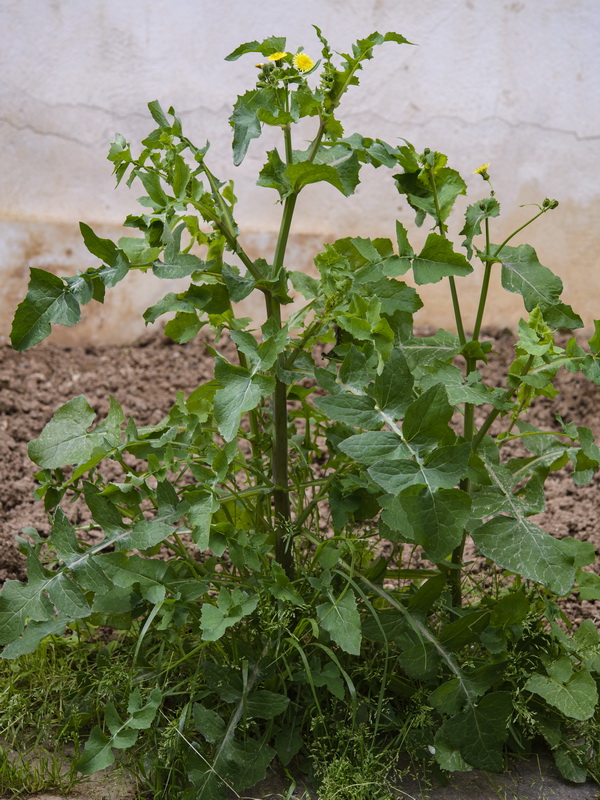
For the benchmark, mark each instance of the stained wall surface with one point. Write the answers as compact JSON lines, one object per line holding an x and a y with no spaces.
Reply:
{"x":511,"y":83}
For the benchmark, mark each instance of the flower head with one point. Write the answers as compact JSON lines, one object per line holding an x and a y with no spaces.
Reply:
{"x":483,"y":171}
{"x":303,"y":62}
{"x":277,"y":56}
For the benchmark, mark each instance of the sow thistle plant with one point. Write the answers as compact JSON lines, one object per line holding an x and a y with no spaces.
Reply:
{"x":254,"y":635}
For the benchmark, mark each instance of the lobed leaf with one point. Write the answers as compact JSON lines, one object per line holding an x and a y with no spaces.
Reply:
{"x":241,"y":391}
{"x":49,"y":300}
{"x":438,"y":260}
{"x":574,"y":695}
{"x":522,"y":273}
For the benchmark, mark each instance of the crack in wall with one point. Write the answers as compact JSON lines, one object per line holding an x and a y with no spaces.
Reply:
{"x":485,"y":120}
{"x":58,"y":135}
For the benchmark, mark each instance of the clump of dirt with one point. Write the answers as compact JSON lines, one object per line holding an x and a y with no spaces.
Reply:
{"x":144,"y":378}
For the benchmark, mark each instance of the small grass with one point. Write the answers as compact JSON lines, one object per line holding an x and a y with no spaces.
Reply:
{"x":47,"y":699}
{"x":38,"y":770}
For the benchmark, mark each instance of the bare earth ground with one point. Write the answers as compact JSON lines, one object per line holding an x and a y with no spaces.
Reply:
{"x":144,"y":378}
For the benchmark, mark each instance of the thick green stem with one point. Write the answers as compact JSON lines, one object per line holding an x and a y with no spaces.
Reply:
{"x":457,"y":315}
{"x":279,"y":464}
{"x":454,"y":576}
{"x":279,"y":461}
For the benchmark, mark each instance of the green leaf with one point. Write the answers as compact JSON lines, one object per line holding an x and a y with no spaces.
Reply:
{"x":416,"y":185}
{"x":181,"y":176}
{"x":435,"y":519}
{"x":68,"y":597}
{"x":583,"y":553}
{"x":522,"y":273}
{"x":184,"y":327}
{"x":373,"y":446}
{"x":511,"y":609}
{"x":273,"y":175}
{"x":572,"y":767}
{"x":104,"y":249}
{"x":440,"y":470}
{"x":426,"y":419}
{"x":422,"y":352}
{"x":588,"y":585}
{"x":170,"y":302}
{"x":65,"y":439}
{"x":420,"y":661}
{"x":33,"y":635}
{"x":587,"y":639}
{"x":343,"y":176}
{"x":147,"y":533}
{"x":156,"y":194}
{"x":288,"y":742}
{"x":230,"y":608}
{"x":98,"y":751}
{"x":362,"y":50}
{"x":249,"y":112}
{"x":447,"y":755}
{"x":138,"y":251}
{"x":405,"y":250}
{"x":179,"y":265}
{"x":208,"y":723}
{"x":379,"y":260}
{"x":19,"y":602}
{"x":126,"y":571}
{"x":341,"y":620}
{"x":518,"y":545}
{"x":308,"y":286}
{"x":438,"y":260}
{"x":356,"y":410}
{"x":238,"y":286}
{"x":474,"y":216}
{"x":263,"y":704}
{"x":158,"y":115}
{"x":141,"y":715}
{"x":48,"y":301}
{"x":98,"y":754}
{"x":274,"y":44}
{"x":480,"y":731}
{"x":104,"y":512}
{"x":393,"y":389}
{"x":576,"y":697}
{"x":241,"y":392}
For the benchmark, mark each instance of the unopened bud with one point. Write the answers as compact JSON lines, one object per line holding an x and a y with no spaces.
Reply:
{"x":550,"y":204}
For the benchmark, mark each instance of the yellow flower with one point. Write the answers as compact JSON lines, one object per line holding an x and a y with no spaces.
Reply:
{"x":481,"y":170}
{"x":277,"y":56}
{"x":259,"y":65}
{"x":303,"y":62}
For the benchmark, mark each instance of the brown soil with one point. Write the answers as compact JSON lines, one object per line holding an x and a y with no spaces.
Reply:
{"x":144,"y":378}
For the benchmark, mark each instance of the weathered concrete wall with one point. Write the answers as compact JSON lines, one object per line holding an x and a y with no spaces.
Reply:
{"x":513,"y":83}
